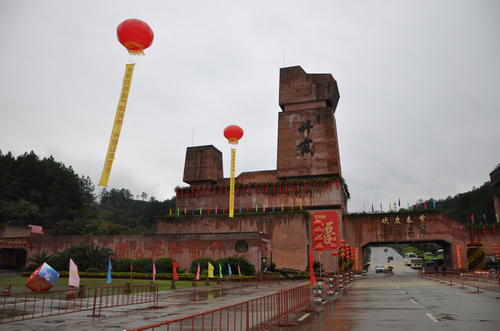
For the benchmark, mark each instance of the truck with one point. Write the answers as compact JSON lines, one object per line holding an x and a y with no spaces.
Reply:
{"x":417,"y":263}
{"x":409,"y":257}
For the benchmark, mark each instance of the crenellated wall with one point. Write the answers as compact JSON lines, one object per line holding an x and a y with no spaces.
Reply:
{"x":311,"y":195}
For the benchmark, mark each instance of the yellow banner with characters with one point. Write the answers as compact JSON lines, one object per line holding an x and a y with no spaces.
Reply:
{"x":117,"y":125}
{"x":231,"y":183}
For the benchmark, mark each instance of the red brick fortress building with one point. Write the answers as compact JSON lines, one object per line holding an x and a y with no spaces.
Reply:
{"x":281,"y":203}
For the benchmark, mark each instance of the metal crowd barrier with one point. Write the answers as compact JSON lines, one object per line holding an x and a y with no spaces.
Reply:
{"x":251,"y":315}
{"x":29,"y":305}
{"x":482,"y":280}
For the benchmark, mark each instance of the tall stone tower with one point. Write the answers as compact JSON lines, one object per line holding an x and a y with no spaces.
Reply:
{"x":307,"y":132}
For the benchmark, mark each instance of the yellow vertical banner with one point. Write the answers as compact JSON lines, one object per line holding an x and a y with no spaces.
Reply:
{"x":117,"y":125}
{"x":458,"y":255}
{"x":231,"y":183}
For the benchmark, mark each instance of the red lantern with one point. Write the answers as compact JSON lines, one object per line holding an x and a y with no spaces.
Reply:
{"x":319,"y":240}
{"x":318,"y":231}
{"x":334,"y":246}
{"x":319,"y":248}
{"x":335,"y":253}
{"x":135,"y":35}
{"x":318,"y":223}
{"x":342,"y":255}
{"x":494,"y":229}
{"x":342,"y":241}
{"x":233,"y":133}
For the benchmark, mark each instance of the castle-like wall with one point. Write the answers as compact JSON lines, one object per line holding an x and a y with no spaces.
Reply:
{"x":288,"y":232}
{"x":182,"y":247}
{"x":313,"y":194}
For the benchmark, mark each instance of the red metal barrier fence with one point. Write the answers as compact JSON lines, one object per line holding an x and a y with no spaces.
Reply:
{"x":251,"y":315}
{"x":485,"y":281}
{"x":29,"y":305}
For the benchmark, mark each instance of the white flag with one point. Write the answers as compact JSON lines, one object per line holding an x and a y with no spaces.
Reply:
{"x":74,"y":279}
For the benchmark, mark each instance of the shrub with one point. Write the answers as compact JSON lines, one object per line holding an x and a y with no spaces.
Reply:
{"x":203,"y":265}
{"x":122,"y":265}
{"x":143,"y":265}
{"x":246,"y":268}
{"x":204,"y":273}
{"x":92,"y":271}
{"x":164,"y":265}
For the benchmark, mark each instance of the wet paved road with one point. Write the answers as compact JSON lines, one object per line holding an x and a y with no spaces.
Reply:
{"x":403,"y":302}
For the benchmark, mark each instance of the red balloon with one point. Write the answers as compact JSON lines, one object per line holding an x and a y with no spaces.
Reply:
{"x":135,"y":35}
{"x":233,"y":133}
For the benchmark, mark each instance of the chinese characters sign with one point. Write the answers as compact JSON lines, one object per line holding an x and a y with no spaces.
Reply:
{"x":304,"y":146}
{"x":407,"y":226}
{"x":330,"y":227}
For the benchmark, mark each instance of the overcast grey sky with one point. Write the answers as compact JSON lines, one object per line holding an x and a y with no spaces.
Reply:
{"x":418,"y":115}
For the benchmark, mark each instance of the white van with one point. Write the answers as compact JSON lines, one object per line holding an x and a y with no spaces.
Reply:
{"x":409,"y":257}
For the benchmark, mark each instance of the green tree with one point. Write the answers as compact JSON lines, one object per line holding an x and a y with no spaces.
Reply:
{"x":40,"y":258}
{"x":98,"y":257}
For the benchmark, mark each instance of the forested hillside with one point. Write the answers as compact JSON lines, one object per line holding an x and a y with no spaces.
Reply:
{"x":477,"y":202}
{"x":48,"y":193}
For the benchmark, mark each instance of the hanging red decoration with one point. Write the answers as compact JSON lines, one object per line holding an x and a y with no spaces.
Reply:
{"x":319,"y":248}
{"x":319,"y":239}
{"x":317,"y":231}
{"x":494,"y":229}
{"x":135,"y":35}
{"x":318,"y":223}
{"x":335,"y":253}
{"x":233,"y":133}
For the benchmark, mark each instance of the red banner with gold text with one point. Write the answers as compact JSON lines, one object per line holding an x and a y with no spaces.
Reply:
{"x":330,"y":227}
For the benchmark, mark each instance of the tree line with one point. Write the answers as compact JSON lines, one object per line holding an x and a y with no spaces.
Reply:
{"x":48,"y":193}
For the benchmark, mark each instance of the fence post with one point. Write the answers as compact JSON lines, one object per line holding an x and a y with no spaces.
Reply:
{"x":81,"y":292}
{"x":7,"y":290}
{"x":71,"y":293}
{"x":95,"y":304}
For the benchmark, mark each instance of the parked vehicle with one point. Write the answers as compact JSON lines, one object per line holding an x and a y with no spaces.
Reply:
{"x":429,"y":264}
{"x":428,"y":256}
{"x":417,"y":263}
{"x":390,"y":258}
{"x":385,"y":250}
{"x":409,"y":257}
{"x":379,"y":268}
